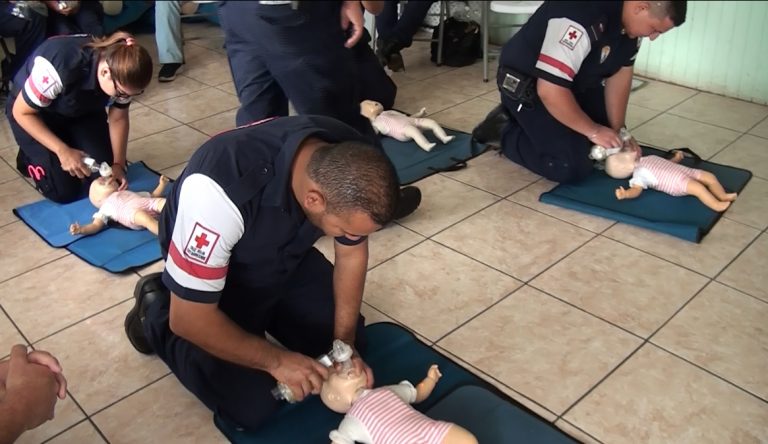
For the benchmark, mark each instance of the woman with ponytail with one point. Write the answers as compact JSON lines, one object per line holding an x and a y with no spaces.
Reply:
{"x":70,"y":101}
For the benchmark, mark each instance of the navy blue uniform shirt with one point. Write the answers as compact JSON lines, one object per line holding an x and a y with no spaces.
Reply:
{"x":572,"y":44}
{"x":60,"y":77}
{"x":232,"y":217}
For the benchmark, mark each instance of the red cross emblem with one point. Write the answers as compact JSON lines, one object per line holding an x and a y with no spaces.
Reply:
{"x":572,"y":35}
{"x":201,"y":243}
{"x":201,"y":240}
{"x":45,"y":79}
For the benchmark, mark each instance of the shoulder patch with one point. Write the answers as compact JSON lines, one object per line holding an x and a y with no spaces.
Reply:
{"x":571,"y":37}
{"x":200,"y":244}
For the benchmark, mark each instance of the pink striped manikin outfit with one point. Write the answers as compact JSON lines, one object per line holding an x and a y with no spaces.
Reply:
{"x":121,"y":206}
{"x":663,"y":175}
{"x":384,"y":416}
{"x":392,"y":123}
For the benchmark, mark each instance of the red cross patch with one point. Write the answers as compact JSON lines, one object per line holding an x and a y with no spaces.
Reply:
{"x":571,"y":37}
{"x":200,"y":244}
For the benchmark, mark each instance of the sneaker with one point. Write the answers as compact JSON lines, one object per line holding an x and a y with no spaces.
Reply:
{"x":489,"y":130}
{"x":148,"y":290}
{"x":410,"y":199}
{"x":168,"y":72}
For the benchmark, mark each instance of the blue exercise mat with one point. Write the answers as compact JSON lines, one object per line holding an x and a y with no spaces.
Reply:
{"x":413,"y":163}
{"x":115,"y":248}
{"x":684,"y":217}
{"x":395,"y":354}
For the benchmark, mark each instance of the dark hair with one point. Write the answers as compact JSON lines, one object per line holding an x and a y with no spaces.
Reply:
{"x":129,"y":63}
{"x":674,"y":9}
{"x":355,"y":176}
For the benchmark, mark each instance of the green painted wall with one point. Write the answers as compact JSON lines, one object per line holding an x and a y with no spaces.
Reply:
{"x":722,"y":47}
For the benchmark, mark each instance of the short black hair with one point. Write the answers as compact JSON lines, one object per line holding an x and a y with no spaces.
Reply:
{"x":355,"y":176}
{"x":674,"y":9}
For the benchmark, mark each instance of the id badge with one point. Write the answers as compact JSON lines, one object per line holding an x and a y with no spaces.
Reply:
{"x":510,"y":83}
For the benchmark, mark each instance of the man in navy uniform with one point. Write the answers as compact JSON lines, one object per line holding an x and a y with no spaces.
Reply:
{"x":565,"y":80}
{"x":237,"y":234}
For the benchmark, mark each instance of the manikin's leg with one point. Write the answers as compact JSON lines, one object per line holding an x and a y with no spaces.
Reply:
{"x":696,"y":188}
{"x":458,"y":435}
{"x":144,"y":219}
{"x":432,"y":125}
{"x":160,"y":188}
{"x":415,"y":134}
{"x":715,"y":187}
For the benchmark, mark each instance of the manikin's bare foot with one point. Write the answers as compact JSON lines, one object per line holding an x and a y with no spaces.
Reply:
{"x":721,"y":206}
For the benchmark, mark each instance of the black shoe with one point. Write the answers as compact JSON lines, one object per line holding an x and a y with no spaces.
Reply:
{"x":148,"y":290}
{"x":489,"y":130}
{"x":410,"y":199}
{"x":388,"y":53}
{"x":168,"y":72}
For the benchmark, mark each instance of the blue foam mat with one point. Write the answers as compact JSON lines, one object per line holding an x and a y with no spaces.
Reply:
{"x":115,"y":248}
{"x":413,"y":163}
{"x":395,"y":354}
{"x":684,"y":217}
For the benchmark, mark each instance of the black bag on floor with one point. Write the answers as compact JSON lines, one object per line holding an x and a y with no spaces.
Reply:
{"x":461,"y":43}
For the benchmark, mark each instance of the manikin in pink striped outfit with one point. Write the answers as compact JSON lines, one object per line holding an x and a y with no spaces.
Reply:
{"x":384,"y":415}
{"x":133,"y":210}
{"x":402,"y":127}
{"x":666,"y":176}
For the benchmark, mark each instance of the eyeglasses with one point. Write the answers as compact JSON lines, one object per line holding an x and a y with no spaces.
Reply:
{"x":119,"y":93}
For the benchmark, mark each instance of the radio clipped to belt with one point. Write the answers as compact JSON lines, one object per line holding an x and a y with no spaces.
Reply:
{"x":517,"y":86}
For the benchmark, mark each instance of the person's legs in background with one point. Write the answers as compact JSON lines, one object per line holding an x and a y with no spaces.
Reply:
{"x":28,"y":32}
{"x":169,"y":39}
{"x":88,"y":19}
{"x":397,"y":33}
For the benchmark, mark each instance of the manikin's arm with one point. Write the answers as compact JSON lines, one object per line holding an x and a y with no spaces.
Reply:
{"x":160,"y":189}
{"x":629,"y":193}
{"x":425,"y":387}
{"x":91,"y":228}
{"x":422,"y":112}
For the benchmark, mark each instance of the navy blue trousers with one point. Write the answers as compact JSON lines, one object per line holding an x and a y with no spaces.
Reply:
{"x":402,"y":28}
{"x":278,"y":54}
{"x":299,"y":314}
{"x":88,"y":19}
{"x":89,"y":133}
{"x":540,"y":143}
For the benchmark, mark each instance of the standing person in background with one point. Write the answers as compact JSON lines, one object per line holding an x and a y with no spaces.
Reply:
{"x":298,"y":51}
{"x":75,"y":17}
{"x":26,"y":26}
{"x":396,"y":32}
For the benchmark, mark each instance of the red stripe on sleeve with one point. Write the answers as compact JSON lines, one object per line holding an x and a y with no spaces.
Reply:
{"x":42,"y":98}
{"x":195,"y":269}
{"x":551,"y":61}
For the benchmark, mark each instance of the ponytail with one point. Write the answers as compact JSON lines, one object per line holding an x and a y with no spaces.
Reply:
{"x":129,"y":63}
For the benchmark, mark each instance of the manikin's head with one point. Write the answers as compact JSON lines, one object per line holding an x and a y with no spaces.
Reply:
{"x":341,"y":390}
{"x":348,"y":189}
{"x":621,"y":165}
{"x":370,"y":109}
{"x":652,"y":18}
{"x":100,"y":189}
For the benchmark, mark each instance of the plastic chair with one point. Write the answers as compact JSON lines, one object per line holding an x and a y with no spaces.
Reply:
{"x":502,"y":7}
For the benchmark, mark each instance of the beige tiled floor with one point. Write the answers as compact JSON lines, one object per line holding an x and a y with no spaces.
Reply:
{"x":614,"y":333}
